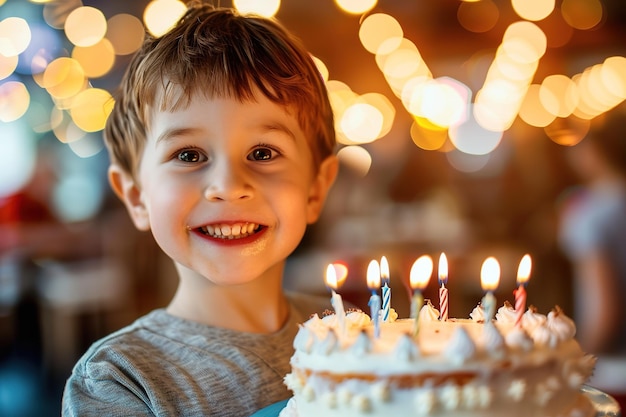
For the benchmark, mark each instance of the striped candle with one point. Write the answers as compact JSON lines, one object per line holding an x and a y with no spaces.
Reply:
{"x":523,"y":274}
{"x":443,"y":291}
{"x":520,"y":304}
{"x":384,"y":275}
{"x":373,"y":283}
{"x":443,"y":301}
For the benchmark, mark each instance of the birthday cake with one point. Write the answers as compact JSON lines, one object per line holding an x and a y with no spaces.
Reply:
{"x":472,"y":367}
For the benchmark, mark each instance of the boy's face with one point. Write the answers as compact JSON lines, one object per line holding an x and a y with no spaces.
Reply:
{"x":225,"y":167}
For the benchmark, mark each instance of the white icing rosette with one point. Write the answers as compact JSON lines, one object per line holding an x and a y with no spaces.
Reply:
{"x":561,"y":325}
{"x":518,"y":338}
{"x":506,"y":314}
{"x":478,"y":313}
{"x":531,"y":319}
{"x":362,"y":345}
{"x":493,"y":339}
{"x":460,"y":347}
{"x":429,"y":312}
{"x":406,"y":349}
{"x":357,"y":319}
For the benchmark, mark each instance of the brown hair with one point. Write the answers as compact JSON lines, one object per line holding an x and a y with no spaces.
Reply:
{"x":219,"y":53}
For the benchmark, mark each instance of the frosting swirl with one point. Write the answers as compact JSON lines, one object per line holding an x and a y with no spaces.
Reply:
{"x":478,"y":314}
{"x":460,"y":347}
{"x":562,"y":326}
{"x":506,"y":314}
{"x":429,"y":312}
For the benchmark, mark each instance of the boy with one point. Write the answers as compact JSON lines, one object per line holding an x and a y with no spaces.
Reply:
{"x":221,"y":145}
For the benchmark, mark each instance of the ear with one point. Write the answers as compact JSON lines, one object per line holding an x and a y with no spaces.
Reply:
{"x":127,"y":189}
{"x":321,"y":185}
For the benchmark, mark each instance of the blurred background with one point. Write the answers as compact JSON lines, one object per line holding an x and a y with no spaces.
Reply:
{"x":455,"y":119}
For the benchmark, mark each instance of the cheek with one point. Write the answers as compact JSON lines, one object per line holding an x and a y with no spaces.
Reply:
{"x":168,"y":207}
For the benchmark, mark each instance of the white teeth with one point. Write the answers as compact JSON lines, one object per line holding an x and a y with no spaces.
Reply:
{"x":227,"y":231}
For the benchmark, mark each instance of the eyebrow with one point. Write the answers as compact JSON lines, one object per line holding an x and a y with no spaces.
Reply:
{"x":171,"y":133}
{"x":279,"y":127}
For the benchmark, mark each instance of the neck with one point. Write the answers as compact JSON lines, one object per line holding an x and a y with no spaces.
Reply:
{"x":259,"y":306}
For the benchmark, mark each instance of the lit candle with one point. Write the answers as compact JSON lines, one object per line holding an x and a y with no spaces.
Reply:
{"x":384,"y":275}
{"x":421,"y":271}
{"x":523,"y":274}
{"x":336,"y":301}
{"x":373,"y":283}
{"x":443,"y":291}
{"x":489,"y":280}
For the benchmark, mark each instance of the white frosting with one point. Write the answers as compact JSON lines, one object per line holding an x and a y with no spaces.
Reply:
{"x":478,"y":313}
{"x":454,"y":368}
{"x":506,"y":314}
{"x":393,"y":315}
{"x":406,"y":349}
{"x":461,"y":347}
{"x":518,"y":338}
{"x":362,"y":345}
{"x":531,"y":319}
{"x":429,"y":312}
{"x":493,"y":340}
{"x":562,"y":326}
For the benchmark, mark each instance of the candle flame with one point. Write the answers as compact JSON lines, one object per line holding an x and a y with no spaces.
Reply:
{"x":373,"y":275}
{"x":336,"y":274}
{"x":384,"y":270}
{"x":421,"y":271}
{"x":523,"y":271}
{"x":443,"y":269}
{"x":490,"y":274}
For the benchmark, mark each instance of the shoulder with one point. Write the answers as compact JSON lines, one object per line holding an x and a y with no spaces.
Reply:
{"x":308,"y":304}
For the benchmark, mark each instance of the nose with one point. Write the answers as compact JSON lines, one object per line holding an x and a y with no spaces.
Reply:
{"x":227,"y":182}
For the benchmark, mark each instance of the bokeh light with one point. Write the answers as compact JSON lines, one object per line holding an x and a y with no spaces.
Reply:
{"x":380,"y":33}
{"x":95,"y":60}
{"x":533,"y":10}
{"x":91,"y":108}
{"x":125,"y":32}
{"x":17,"y":159}
{"x":63,"y":78}
{"x":356,"y":6}
{"x":356,"y":158}
{"x":478,"y":16}
{"x":361,"y":123}
{"x":532,"y":111}
{"x":14,"y":36}
{"x":14,"y":100}
{"x":266,"y":8}
{"x":161,"y":15}
{"x":582,"y":14}
{"x":428,"y":136}
{"x":85,"y":26}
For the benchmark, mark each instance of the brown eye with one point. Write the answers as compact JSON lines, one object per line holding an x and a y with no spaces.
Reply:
{"x":260,"y":154}
{"x":189,"y":156}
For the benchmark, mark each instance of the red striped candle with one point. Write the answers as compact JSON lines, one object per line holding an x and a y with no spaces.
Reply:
{"x":443,"y":291}
{"x":523,"y":274}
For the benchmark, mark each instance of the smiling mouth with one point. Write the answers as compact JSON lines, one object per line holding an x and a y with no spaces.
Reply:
{"x":230,"y":231}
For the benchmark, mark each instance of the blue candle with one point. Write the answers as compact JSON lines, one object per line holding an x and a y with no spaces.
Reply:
{"x":373,"y":283}
{"x":384,"y":276}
